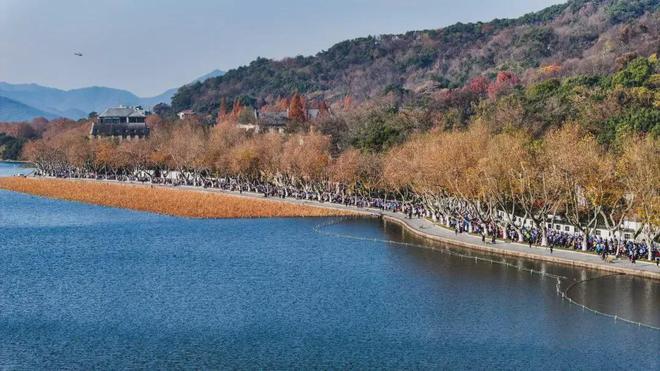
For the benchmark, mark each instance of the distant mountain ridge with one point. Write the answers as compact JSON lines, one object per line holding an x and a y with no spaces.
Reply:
{"x":36,"y":100}
{"x":11,"y":110}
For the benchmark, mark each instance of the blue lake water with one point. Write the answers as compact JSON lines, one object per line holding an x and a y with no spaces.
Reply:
{"x":85,"y":287}
{"x":14,"y":168}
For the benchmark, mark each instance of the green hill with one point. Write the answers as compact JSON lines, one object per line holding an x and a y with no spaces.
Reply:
{"x":579,"y":37}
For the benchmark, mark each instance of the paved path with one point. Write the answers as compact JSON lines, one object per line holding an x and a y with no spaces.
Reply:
{"x":426,"y":228}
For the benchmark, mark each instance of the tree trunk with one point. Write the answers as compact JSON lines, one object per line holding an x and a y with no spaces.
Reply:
{"x":544,"y":237}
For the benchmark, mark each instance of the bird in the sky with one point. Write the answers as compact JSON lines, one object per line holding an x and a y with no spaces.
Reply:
{"x":79,"y":54}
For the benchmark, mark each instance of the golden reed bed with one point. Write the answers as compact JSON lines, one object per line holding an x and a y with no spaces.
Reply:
{"x":178,"y":202}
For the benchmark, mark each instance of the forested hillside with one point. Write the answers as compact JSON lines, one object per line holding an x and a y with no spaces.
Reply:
{"x":580,"y":37}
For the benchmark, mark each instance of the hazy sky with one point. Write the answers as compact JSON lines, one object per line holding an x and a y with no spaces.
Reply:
{"x":148,"y":46}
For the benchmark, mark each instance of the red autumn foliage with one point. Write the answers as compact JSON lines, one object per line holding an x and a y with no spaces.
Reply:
{"x":324,"y":110}
{"x":504,"y":82}
{"x":236,"y":110}
{"x":222,"y":112}
{"x":348,"y":103}
{"x":478,"y":85}
{"x":296,"y":109}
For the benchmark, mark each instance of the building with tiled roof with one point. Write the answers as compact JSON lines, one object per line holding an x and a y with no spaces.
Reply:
{"x":122,"y":123}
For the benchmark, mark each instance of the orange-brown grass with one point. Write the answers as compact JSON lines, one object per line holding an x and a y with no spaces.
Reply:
{"x":178,"y":202}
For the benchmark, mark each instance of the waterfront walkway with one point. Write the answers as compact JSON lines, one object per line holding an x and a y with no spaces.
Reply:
{"x":427,"y":229}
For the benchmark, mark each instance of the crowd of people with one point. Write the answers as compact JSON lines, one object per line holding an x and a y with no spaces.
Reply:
{"x":458,"y":220}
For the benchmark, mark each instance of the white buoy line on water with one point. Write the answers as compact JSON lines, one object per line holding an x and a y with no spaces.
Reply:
{"x":563,"y":294}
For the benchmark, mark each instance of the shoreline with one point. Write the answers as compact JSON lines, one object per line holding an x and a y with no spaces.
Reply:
{"x":420,"y":227}
{"x":172,"y":201}
{"x":585,"y":260}
{"x":15,"y":161}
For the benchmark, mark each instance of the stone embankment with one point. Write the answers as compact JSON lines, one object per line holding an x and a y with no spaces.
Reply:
{"x":213,"y":203}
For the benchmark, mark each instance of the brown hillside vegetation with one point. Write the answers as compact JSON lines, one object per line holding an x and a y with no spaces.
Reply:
{"x":577,"y":37}
{"x":185,"y":203}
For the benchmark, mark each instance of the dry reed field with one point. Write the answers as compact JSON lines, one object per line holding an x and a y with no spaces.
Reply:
{"x":177,"y":202}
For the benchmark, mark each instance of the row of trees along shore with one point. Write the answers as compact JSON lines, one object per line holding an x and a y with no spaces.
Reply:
{"x":473,"y":171}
